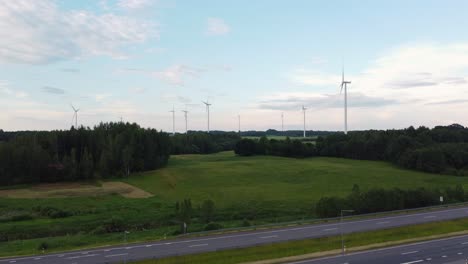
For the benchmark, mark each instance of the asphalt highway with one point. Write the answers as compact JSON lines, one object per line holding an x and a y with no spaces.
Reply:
{"x":449,"y":250}
{"x":182,"y":246}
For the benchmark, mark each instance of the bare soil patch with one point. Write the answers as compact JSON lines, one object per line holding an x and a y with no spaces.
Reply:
{"x":64,"y":190}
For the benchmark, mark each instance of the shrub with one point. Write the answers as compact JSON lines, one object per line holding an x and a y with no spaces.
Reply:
{"x":212,"y":226}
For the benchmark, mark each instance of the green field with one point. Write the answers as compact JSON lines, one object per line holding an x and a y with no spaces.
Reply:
{"x":228,"y":179}
{"x":261,"y":189}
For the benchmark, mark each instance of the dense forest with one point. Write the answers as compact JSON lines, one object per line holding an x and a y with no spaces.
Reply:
{"x":443,"y":149}
{"x":203,"y":143}
{"x":285,"y":148}
{"x":286,"y":133}
{"x":107,"y":150}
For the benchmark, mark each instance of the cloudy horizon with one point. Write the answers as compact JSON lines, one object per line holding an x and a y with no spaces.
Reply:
{"x":137,"y":59}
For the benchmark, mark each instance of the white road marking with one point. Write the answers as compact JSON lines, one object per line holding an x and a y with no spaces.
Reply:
{"x":148,"y":245}
{"x":411,"y":262}
{"x":444,"y":256}
{"x":330,"y":229}
{"x":83,"y":256}
{"x":382,"y":223}
{"x":411,"y":252}
{"x":265,"y":237}
{"x":13,"y":261}
{"x":128,"y":247}
{"x":464,"y":243}
{"x":199,"y":245}
{"x":429,"y":259}
{"x":107,"y":250}
{"x":430,"y":216}
{"x":459,"y":253}
{"x":116,"y":255}
{"x":37,"y":258}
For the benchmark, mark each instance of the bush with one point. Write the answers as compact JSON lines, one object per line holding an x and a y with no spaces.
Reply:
{"x":43,"y":246}
{"x":212,"y":226}
{"x":246,"y":223}
{"x":115,"y":224}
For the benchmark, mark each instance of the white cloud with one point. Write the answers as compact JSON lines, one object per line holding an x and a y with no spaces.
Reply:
{"x":137,"y":90}
{"x":134,"y":4}
{"x":217,"y":26}
{"x":418,"y":84}
{"x":7,"y":91}
{"x":307,"y":77}
{"x":38,"y":32}
{"x":176,"y":74}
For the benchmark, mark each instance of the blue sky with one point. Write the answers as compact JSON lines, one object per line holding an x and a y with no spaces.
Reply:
{"x":136,"y":59}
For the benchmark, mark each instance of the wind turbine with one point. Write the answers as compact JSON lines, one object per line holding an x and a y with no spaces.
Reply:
{"x":185,"y":115}
{"x":238,"y":116}
{"x":208,"y":113}
{"x":304,"y":111}
{"x":282,"y":123}
{"x":173,"y":120}
{"x":344,"y":84}
{"x":75,"y":115}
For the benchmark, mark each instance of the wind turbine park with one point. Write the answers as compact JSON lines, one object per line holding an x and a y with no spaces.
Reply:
{"x":251,"y":132}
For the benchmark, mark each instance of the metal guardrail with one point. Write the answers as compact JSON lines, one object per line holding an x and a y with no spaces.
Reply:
{"x":317,"y":220}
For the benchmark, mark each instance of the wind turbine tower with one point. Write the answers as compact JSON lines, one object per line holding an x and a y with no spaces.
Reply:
{"x":282,"y":123}
{"x":75,"y":115}
{"x":238,"y":116}
{"x":304,"y":111}
{"x":185,"y":115}
{"x":208,"y":113}
{"x":344,"y":84}
{"x":173,"y":120}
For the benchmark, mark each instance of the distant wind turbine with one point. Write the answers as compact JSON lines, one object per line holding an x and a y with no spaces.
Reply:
{"x":304,"y":111}
{"x":238,"y":116}
{"x":208,"y":113}
{"x":282,"y":123}
{"x":173,"y":120}
{"x":344,"y":84}
{"x":185,"y":115}
{"x":75,"y":115}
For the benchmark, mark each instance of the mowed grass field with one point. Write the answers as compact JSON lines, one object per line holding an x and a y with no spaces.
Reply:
{"x":228,"y":179}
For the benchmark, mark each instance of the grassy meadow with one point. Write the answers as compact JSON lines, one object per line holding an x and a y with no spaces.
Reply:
{"x":228,"y":179}
{"x":262,"y":189}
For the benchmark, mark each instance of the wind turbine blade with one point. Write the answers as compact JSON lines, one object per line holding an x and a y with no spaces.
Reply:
{"x":341,"y":90}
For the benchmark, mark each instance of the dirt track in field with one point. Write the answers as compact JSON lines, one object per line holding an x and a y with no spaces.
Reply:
{"x":64,"y":190}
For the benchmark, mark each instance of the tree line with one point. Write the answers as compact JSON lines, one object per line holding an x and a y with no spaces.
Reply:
{"x":107,"y":150}
{"x":286,"y":148}
{"x":195,"y":142}
{"x":443,"y":149}
{"x":286,"y":133}
{"x":382,"y":200}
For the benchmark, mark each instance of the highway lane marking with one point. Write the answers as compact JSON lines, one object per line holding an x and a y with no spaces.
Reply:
{"x":13,"y":261}
{"x":330,"y":229}
{"x":430,"y":216}
{"x":414,"y":215}
{"x":411,"y":262}
{"x":116,"y":255}
{"x":380,"y":250}
{"x":410,"y":252}
{"x":459,"y":253}
{"x":83,"y":256}
{"x":37,"y":258}
{"x":428,"y":259}
{"x":265,"y":237}
{"x":444,"y":256}
{"x":199,"y":245}
{"x":149,"y":245}
{"x":464,"y":243}
{"x":382,"y":223}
